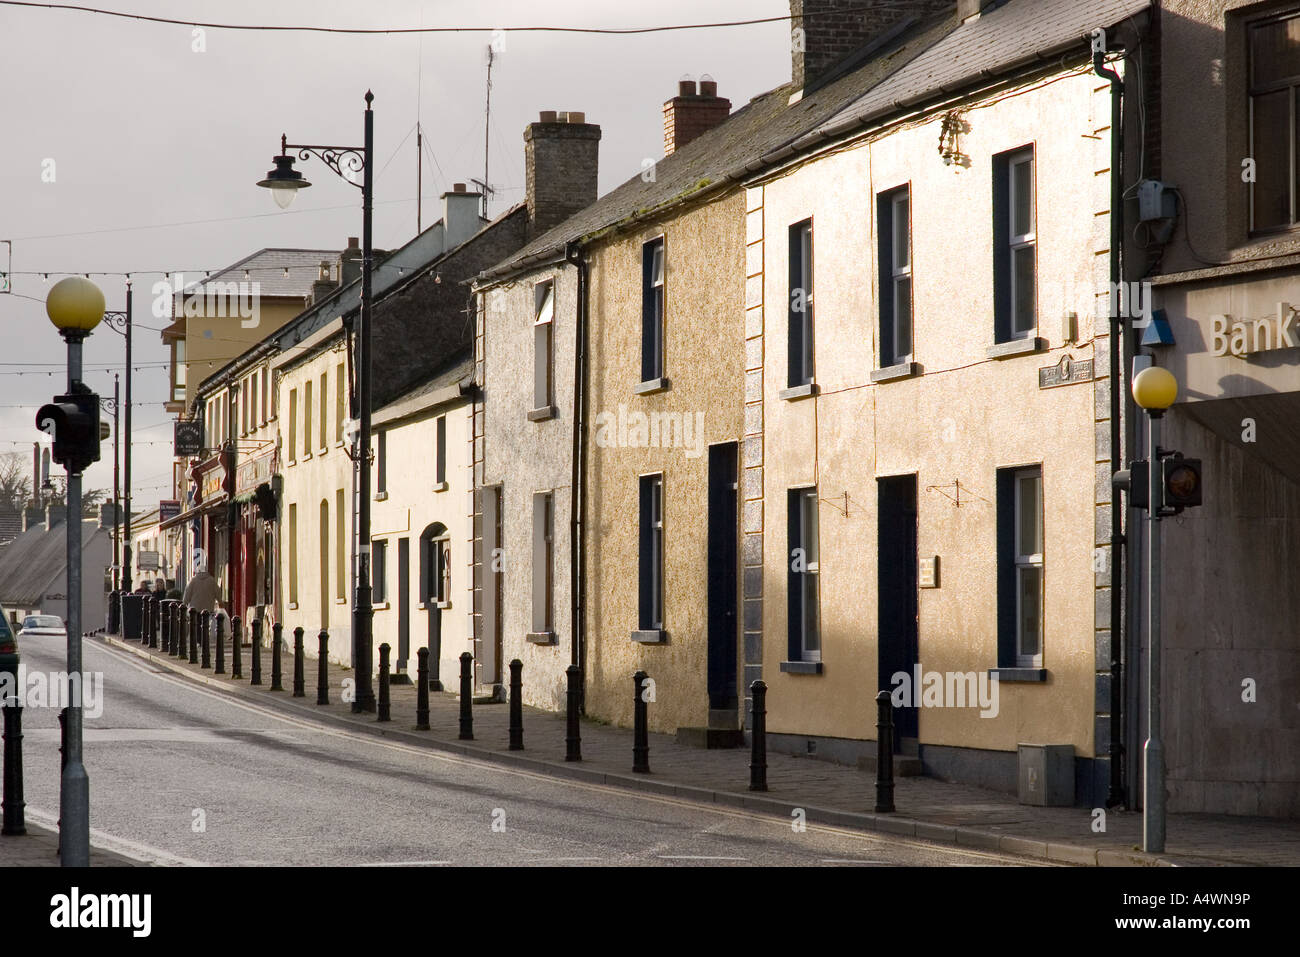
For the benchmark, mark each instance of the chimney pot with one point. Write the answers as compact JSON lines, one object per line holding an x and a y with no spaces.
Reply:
{"x":687,"y":115}
{"x":577,"y":117}
{"x":353,"y":242}
{"x":546,"y":116}
{"x":458,"y":187}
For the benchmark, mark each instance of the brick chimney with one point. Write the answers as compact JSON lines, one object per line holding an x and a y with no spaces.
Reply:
{"x":834,"y":29}
{"x":350,"y":262}
{"x":561,"y":153}
{"x":690,"y":113}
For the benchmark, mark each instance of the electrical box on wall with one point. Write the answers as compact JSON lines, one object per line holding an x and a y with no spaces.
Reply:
{"x":1155,"y":201}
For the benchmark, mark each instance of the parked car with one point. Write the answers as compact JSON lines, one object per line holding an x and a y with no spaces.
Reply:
{"x":8,"y":644}
{"x":42,"y":626}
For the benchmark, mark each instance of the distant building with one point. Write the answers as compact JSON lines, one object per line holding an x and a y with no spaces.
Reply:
{"x":33,"y":570}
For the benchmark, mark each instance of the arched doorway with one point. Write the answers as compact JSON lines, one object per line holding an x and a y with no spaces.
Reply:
{"x":435,"y":592}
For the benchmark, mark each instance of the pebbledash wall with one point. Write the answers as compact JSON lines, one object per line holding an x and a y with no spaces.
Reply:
{"x":953,"y":424}
{"x":703,"y":358}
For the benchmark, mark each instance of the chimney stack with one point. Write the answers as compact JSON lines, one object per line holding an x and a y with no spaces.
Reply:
{"x":827,"y":31}
{"x":350,"y":262}
{"x":691,"y":113}
{"x":32,"y":517}
{"x":460,"y":215}
{"x":968,"y":8}
{"x":54,"y":514}
{"x":561,"y":154}
{"x":107,"y":512}
{"x":323,"y":285}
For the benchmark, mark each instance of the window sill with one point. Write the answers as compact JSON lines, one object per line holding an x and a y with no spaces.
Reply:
{"x":801,"y":667}
{"x":442,"y":604}
{"x":1016,"y":347}
{"x":440,"y":486}
{"x":293,"y":606}
{"x":380,"y":606}
{"x":1032,"y":675}
{"x":542,"y":414}
{"x":340,"y":601}
{"x":322,"y":450}
{"x":903,"y":370}
{"x":540,"y":637}
{"x":654,"y":636}
{"x":651,"y":386}
{"x":381,"y":496}
{"x":306,"y":457}
{"x":339,"y":444}
{"x":796,"y":392}
{"x":292,"y":462}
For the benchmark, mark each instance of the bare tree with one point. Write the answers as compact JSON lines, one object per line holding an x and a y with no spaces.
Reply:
{"x":15,"y":480}
{"x":90,"y":498}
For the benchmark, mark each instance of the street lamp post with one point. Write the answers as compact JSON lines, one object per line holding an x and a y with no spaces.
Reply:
{"x":284,"y":182}
{"x":1154,"y":390}
{"x":75,"y":305}
{"x":113,"y":405}
{"x":120,"y":322}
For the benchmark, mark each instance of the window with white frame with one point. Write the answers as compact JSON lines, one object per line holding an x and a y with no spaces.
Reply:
{"x":801,"y":304}
{"x":1015,"y":245}
{"x":543,"y":344}
{"x":651,"y":554}
{"x":803,"y":591}
{"x":652,"y":310}
{"x":1029,"y":567}
{"x":894,"y":235}
{"x":543,"y":562}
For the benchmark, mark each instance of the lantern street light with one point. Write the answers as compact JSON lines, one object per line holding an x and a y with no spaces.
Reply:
{"x":75,"y":305}
{"x":284,"y":182}
{"x":1154,"y":390}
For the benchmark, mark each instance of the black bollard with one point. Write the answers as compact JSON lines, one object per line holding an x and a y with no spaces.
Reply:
{"x":466,"y":696}
{"x":758,"y":735}
{"x":385,"y":702}
{"x":236,"y":647}
{"x":572,"y":733}
{"x":220,"y":642}
{"x":113,"y":612}
{"x":206,"y":655}
{"x":277,"y":669}
{"x":155,"y":622}
{"x":200,"y":636}
{"x":257,"y":652}
{"x":299,"y":684}
{"x":640,"y":738}
{"x":422,"y":689}
{"x":146,"y":619}
{"x":13,"y":804}
{"x":63,"y":763}
{"x":323,"y":670}
{"x":178,"y":616}
{"x":191,"y":632}
{"x":167,"y":628}
{"x":884,"y":753}
{"x":516,"y":705}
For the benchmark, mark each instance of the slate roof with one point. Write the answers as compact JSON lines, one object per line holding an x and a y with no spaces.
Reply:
{"x":266,"y":267}
{"x":11,"y":524}
{"x":37,"y":557}
{"x":1016,"y":34}
{"x":915,"y":61}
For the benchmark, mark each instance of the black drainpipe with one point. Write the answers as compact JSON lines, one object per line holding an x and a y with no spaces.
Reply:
{"x":578,"y":481}
{"x":1116,"y":750}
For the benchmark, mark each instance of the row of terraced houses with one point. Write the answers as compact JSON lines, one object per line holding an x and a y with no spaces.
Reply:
{"x":829,"y":396}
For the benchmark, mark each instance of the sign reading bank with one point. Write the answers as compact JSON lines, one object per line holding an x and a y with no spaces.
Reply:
{"x":1241,"y":337}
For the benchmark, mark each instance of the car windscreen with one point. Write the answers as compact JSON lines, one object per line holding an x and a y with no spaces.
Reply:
{"x":43,"y":621}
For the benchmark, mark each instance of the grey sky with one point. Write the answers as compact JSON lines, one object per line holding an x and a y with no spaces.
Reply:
{"x":144,"y":131}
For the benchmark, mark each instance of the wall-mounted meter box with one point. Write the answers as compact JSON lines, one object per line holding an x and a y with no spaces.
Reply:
{"x":1155,"y":200}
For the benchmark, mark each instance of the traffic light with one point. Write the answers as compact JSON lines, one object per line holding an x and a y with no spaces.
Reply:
{"x":1181,"y":482}
{"x":72,"y":422}
{"x":1134,"y":482}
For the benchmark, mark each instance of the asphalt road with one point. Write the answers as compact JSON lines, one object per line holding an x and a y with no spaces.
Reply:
{"x":181,"y":774}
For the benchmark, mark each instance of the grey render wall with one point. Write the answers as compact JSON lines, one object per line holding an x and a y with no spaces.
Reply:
{"x":523,"y":457}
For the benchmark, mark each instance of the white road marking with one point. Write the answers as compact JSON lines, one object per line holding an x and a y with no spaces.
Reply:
{"x":697,"y":857}
{"x":144,"y":853}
